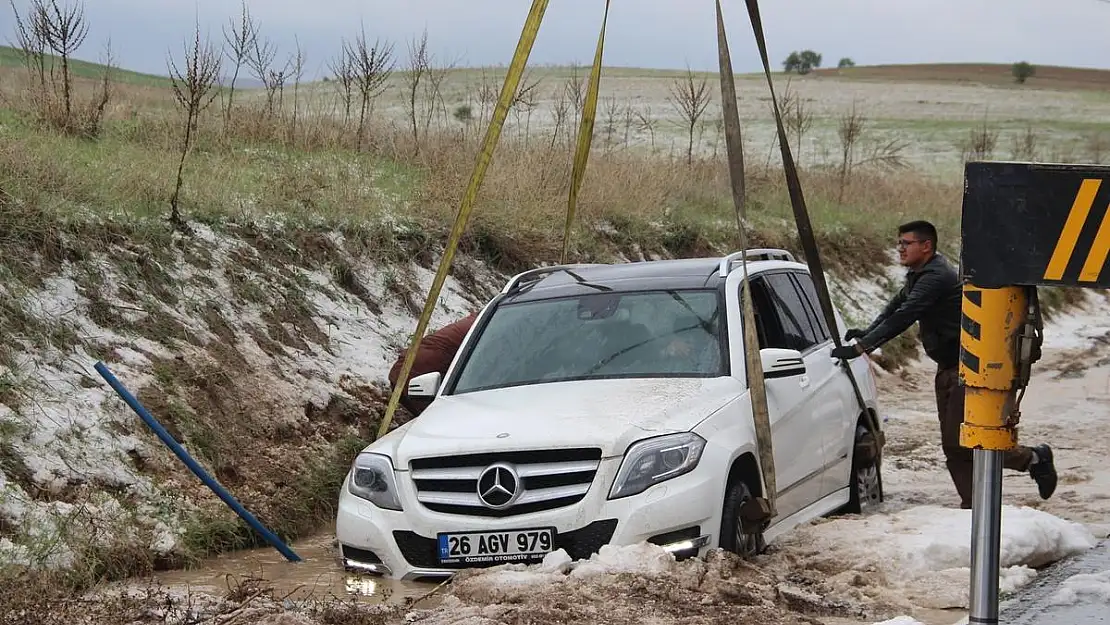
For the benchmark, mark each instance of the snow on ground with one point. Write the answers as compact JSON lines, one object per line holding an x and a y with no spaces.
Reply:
{"x":69,"y":437}
{"x":1084,"y":588}
{"x":920,"y":556}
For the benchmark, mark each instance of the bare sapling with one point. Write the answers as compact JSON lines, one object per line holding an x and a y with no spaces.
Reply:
{"x":193,"y":90}
{"x":416,"y":69}
{"x":261,"y":64}
{"x":612,"y":114}
{"x":525,"y":102}
{"x":424,"y":88}
{"x":66,"y":30}
{"x":645,"y":122}
{"x":31,"y":33}
{"x":798,"y":120}
{"x":559,"y":112}
{"x":371,"y":64}
{"x":487,"y":95}
{"x":575,"y":90}
{"x":980,"y":142}
{"x":690,"y":97}
{"x":341,"y":67}
{"x":240,"y":42}
{"x":298,"y":74}
{"x":1025,"y":145}
{"x":849,"y":129}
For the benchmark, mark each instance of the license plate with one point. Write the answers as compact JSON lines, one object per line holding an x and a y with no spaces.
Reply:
{"x":495,"y":547}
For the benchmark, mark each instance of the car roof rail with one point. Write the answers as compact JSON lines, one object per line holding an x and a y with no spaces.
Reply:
{"x":758,"y":253}
{"x":539,"y":272}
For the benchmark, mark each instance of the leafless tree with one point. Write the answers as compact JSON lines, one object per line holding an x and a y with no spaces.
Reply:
{"x":193,"y":90}
{"x":690,"y":98}
{"x":240,"y":41}
{"x":1025,"y":145}
{"x":425,"y":77}
{"x":261,"y":63}
{"x":31,"y":34}
{"x":298,"y":73}
{"x":575,"y":90}
{"x":342,"y":68}
{"x":797,"y":118}
{"x":980,"y":142}
{"x":416,"y":69}
{"x":559,"y":112}
{"x":647,"y":123}
{"x":849,"y":129}
{"x":612,"y":114}
{"x":526,"y":101}
{"x":66,"y":29}
{"x":371,"y":65}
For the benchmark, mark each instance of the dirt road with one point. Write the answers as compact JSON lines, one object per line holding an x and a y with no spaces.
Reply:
{"x":908,"y":559}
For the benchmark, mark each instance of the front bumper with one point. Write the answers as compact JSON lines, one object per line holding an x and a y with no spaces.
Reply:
{"x":683,"y":515}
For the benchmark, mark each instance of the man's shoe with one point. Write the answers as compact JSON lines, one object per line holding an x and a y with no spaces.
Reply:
{"x":1043,"y":471}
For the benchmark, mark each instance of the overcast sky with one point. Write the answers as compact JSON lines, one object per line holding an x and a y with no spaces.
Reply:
{"x":644,"y":33}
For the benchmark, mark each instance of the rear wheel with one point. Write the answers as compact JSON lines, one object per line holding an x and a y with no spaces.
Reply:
{"x":734,"y":537}
{"x":866,"y":482}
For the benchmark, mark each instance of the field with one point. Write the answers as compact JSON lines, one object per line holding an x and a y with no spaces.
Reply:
{"x":256,"y":301}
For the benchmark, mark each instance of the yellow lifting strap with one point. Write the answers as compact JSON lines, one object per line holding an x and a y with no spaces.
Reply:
{"x":493,"y":133}
{"x":753,"y":363}
{"x":585,"y":136}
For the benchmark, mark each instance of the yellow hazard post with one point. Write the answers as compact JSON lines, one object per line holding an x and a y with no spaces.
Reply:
{"x":991,"y":363}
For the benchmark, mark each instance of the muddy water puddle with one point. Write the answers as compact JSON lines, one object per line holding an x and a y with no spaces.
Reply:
{"x":318,"y":576}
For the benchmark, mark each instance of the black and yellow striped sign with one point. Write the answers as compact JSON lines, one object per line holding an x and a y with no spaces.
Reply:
{"x":1036,"y":224}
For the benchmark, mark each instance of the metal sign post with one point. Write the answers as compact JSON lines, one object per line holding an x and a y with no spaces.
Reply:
{"x":1024,"y":225}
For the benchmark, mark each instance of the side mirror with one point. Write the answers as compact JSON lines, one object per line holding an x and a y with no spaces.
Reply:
{"x":424,"y":385}
{"x":781,"y":363}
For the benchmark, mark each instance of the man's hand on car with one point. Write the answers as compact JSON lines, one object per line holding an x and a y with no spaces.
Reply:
{"x":853,"y":333}
{"x":846,"y":352}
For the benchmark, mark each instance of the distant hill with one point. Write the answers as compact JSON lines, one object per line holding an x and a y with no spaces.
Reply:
{"x":1047,"y":76}
{"x":13,"y":57}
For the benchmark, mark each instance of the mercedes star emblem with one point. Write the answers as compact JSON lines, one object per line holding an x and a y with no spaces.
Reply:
{"x":499,"y":486}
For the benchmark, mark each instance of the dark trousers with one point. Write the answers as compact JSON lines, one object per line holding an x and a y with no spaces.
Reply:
{"x":950,"y":409}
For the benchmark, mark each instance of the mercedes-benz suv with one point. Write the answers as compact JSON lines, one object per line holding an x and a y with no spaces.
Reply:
{"x":609,"y":404}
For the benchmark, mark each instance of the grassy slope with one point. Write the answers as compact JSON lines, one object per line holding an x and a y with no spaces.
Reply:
{"x":11,"y":58}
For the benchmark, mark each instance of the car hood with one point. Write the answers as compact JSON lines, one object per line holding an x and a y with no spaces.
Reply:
{"x":610,"y":414}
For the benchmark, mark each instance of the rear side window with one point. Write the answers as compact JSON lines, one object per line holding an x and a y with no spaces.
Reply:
{"x":792,"y":313}
{"x":816,"y":319}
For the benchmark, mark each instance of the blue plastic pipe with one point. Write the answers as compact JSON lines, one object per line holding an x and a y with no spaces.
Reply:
{"x":192,"y":464}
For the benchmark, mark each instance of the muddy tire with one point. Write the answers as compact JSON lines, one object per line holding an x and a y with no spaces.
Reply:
{"x":733,"y":536}
{"x":865,"y":485}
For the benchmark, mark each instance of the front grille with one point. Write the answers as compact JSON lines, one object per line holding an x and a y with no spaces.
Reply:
{"x":547,"y":479}
{"x":579,"y":544}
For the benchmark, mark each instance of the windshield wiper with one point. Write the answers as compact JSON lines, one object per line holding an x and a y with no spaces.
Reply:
{"x":577,"y":278}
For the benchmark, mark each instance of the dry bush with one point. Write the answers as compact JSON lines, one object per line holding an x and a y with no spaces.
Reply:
{"x":194,"y":90}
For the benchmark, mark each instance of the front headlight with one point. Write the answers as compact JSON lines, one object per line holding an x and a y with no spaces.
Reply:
{"x":372,"y":479}
{"x":655,"y":460}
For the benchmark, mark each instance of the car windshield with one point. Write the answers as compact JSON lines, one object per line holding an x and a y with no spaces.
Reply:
{"x":599,"y":335}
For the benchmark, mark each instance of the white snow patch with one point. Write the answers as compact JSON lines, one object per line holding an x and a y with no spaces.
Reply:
{"x":901,"y":620}
{"x":1083,"y":588}
{"x":928,"y":547}
{"x":641,"y":558}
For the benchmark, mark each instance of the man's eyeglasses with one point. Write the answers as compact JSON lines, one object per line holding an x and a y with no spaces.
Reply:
{"x":902,"y":243}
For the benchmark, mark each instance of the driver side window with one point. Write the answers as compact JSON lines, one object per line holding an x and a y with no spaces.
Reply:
{"x":767,"y":323}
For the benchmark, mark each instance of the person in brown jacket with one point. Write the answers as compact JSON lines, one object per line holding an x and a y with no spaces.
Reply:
{"x":434,"y":353}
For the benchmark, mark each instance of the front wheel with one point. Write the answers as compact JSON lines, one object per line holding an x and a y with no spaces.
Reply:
{"x":866,"y":486}
{"x":734,"y":538}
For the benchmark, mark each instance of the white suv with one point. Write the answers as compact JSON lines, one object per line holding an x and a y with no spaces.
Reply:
{"x":595,"y":404}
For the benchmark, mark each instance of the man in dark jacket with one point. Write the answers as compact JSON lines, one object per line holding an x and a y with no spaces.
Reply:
{"x":434,"y":353}
{"x":932,"y":298}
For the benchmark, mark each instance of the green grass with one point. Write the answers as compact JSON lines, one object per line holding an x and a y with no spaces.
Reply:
{"x":13,"y":58}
